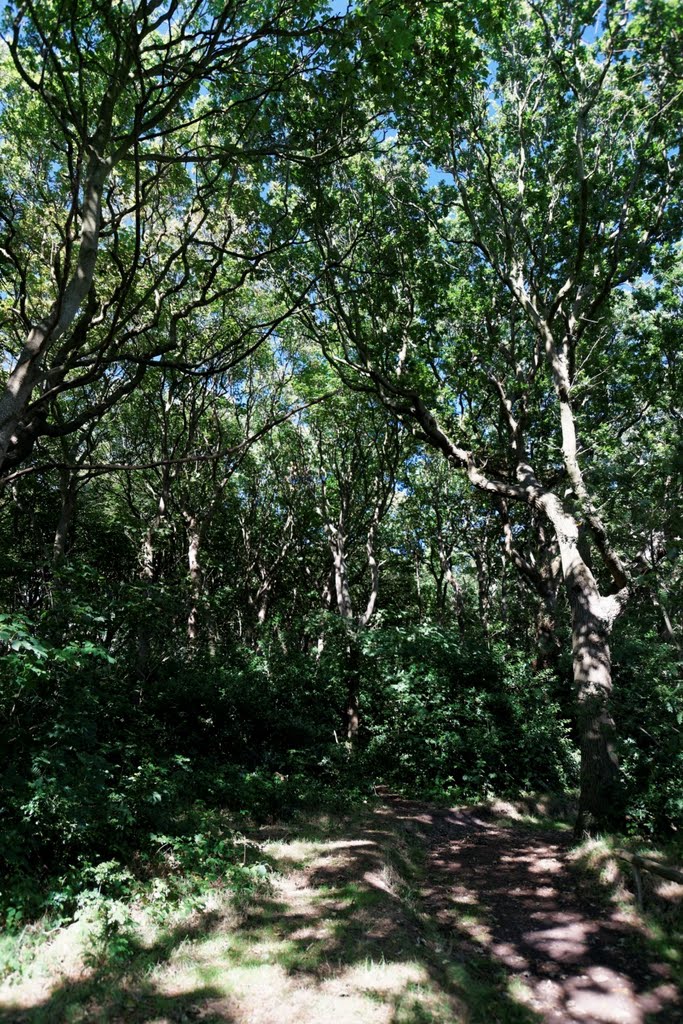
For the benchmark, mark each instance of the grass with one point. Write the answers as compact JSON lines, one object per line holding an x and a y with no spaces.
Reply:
{"x":326,"y":919}
{"x":607,"y":880}
{"x":335,"y":929}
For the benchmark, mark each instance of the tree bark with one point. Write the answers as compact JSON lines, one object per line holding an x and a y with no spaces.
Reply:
{"x":68,"y":489}
{"x":351,"y":722}
{"x":547,"y":642}
{"x":149,"y":571}
{"x":601,"y":800}
{"x":194,"y":539}
{"x":593,"y":615}
{"x":352,"y":716}
{"x":450,"y":584}
{"x":482,"y":589}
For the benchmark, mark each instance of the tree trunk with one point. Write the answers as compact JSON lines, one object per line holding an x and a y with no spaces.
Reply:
{"x":147,"y":555}
{"x":327,"y":598}
{"x":68,"y":491}
{"x":149,"y":571}
{"x":354,"y":624}
{"x":458,"y":603}
{"x":196,"y":579}
{"x":668,"y":631}
{"x":601,"y":800}
{"x":352,"y":716}
{"x":482,"y":590}
{"x":351,"y":723}
{"x":264,"y":602}
{"x":547,"y":641}
{"x":147,"y":574}
{"x":450,"y":583}
{"x":418,"y":588}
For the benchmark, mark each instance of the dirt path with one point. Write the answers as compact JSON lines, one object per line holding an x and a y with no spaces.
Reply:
{"x":409,"y":915}
{"x":510,"y":891}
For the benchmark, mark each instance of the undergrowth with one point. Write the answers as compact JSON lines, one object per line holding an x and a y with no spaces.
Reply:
{"x":608,"y":879}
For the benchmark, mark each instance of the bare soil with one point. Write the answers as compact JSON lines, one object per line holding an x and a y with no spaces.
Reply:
{"x":513,"y":891}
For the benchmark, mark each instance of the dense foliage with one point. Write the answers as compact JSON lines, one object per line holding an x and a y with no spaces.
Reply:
{"x":341,"y":421}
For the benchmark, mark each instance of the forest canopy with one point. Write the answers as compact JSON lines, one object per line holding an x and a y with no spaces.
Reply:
{"x":340,"y":424}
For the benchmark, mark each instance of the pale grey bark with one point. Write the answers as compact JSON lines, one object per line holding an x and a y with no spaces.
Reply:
{"x":453,"y":584}
{"x":27,"y":371}
{"x":194,"y":540}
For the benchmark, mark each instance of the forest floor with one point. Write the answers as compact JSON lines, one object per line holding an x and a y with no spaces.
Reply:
{"x":407,"y":913}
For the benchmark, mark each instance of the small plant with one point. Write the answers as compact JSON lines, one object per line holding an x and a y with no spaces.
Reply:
{"x":112,"y":943}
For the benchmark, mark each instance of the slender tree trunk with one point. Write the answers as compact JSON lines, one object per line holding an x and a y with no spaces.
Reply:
{"x":264,"y":602}
{"x":547,"y":642}
{"x":196,"y":578}
{"x":456,"y":593}
{"x":147,"y":555}
{"x":68,"y":491}
{"x":148,"y":569}
{"x":668,"y":631}
{"x":418,"y":588}
{"x":351,"y":723}
{"x":148,"y":574}
{"x":482,"y":590}
{"x":351,"y":716}
{"x":327,"y":599}
{"x":340,"y":581}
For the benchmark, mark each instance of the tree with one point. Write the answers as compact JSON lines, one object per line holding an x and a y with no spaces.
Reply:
{"x":480,"y":309}
{"x":353,"y":474}
{"x":137,"y":141}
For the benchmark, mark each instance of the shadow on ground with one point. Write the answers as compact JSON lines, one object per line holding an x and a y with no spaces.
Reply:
{"x":416,"y":915}
{"x":350,"y":924}
{"x":115,"y":992}
{"x":510,"y":893}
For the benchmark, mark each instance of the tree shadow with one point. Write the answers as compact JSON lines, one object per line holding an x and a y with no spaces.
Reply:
{"x":415,"y":914}
{"x":509,"y":893}
{"x":118,"y":991}
{"x":358,"y":932}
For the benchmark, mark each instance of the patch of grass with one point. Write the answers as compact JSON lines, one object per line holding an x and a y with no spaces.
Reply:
{"x":337,"y":920}
{"x":110,"y":988}
{"x":530,"y":821}
{"x":607,"y":880}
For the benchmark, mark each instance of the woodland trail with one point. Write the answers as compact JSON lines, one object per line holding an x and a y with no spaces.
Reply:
{"x":409,"y":915}
{"x":510,"y":891}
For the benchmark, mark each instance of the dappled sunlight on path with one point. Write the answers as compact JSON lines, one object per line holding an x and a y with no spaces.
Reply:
{"x":509,"y":892}
{"x":410,"y":914}
{"x":328,"y":940}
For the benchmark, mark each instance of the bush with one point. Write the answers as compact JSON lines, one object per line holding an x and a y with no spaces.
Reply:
{"x":447,"y":717}
{"x":648,"y":707}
